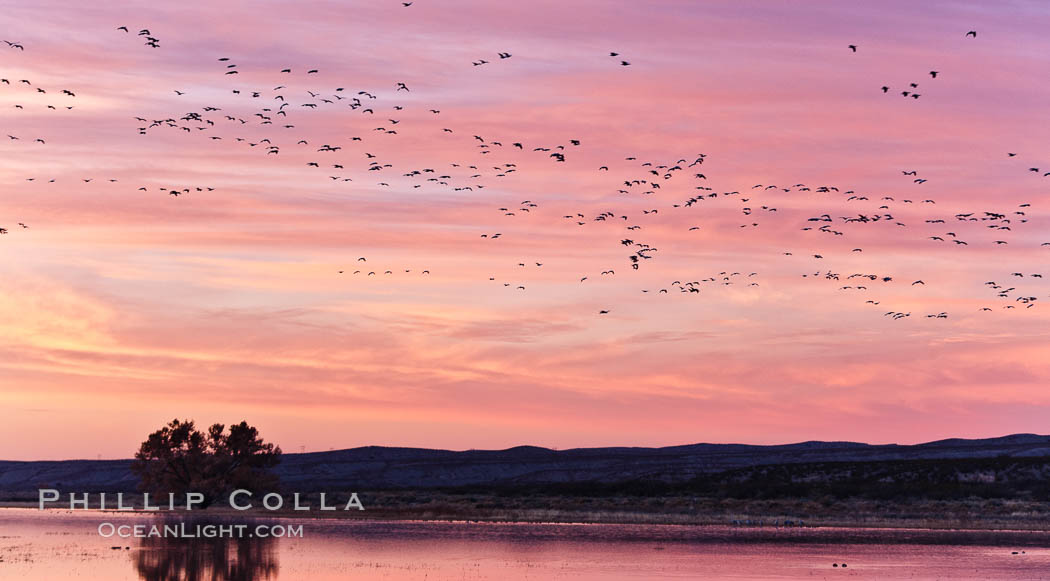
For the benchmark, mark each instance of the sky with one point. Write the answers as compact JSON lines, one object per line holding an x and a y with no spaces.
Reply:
{"x":122,"y":308}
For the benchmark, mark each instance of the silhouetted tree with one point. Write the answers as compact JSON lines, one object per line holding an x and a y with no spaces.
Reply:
{"x":179,"y":458}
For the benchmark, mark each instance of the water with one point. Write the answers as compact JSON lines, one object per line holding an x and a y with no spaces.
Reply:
{"x":54,"y":545}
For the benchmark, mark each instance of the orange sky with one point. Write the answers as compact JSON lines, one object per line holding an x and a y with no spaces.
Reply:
{"x":122,"y":308}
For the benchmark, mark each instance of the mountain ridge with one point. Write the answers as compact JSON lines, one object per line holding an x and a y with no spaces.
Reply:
{"x":380,"y":467}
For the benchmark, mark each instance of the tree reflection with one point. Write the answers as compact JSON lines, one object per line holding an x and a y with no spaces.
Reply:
{"x":207,"y":559}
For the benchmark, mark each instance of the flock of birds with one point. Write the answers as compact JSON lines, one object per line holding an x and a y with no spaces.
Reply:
{"x":264,"y":119}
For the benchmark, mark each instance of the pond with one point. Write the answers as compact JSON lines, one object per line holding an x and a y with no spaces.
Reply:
{"x":54,"y":544}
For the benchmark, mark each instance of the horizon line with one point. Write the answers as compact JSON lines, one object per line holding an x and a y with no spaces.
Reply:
{"x":555,"y":449}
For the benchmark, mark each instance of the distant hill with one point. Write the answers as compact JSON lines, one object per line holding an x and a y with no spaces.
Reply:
{"x":374,"y":467}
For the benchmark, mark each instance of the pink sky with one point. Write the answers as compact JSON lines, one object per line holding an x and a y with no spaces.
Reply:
{"x":122,"y":309}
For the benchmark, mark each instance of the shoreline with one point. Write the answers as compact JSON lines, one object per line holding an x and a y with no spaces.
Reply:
{"x":756,"y":524}
{"x":404,"y":530}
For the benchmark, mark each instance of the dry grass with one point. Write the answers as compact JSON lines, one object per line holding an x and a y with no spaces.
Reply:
{"x":970,"y":514}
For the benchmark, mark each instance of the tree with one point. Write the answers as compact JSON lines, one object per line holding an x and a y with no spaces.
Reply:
{"x":180,"y":458}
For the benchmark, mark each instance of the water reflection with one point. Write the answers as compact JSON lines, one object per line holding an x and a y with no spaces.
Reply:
{"x":48,"y":545}
{"x":207,"y":559}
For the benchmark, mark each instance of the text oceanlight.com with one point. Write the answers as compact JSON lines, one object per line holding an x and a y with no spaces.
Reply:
{"x":199,"y":531}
